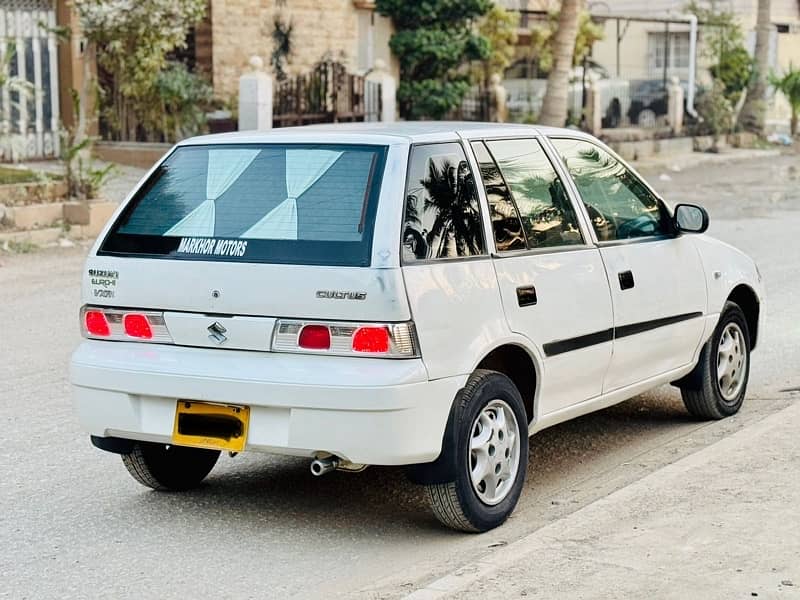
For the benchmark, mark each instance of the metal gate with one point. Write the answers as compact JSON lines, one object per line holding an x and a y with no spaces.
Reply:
{"x":29,"y":118}
{"x":328,"y":94}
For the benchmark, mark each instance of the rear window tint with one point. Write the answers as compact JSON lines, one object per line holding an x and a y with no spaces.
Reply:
{"x":291,"y":204}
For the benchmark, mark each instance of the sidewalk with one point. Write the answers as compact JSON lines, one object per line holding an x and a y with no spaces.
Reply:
{"x":668,"y":162}
{"x":721,"y":523}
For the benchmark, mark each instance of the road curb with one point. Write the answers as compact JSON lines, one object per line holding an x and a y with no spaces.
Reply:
{"x":462,"y":578}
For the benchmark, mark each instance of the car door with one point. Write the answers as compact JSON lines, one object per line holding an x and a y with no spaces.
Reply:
{"x":656,"y":277}
{"x":552,"y":282}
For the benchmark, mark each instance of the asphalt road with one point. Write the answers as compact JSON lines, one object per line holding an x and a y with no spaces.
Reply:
{"x":73,"y":524}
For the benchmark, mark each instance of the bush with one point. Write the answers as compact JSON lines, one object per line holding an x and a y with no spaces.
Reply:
{"x":789,"y":86}
{"x":717,"y":112}
{"x":433,"y":40}
{"x":185,"y":98}
{"x":734,"y":70}
{"x":132,"y":41}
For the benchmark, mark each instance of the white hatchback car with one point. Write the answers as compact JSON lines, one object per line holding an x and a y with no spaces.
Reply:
{"x":423,"y":294}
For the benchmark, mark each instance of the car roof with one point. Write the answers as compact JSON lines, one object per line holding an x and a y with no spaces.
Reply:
{"x":380,"y":133}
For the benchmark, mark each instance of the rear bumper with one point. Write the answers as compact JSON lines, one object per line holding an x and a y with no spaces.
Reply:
{"x":371,"y":411}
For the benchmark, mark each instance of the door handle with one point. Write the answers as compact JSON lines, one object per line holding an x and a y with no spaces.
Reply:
{"x":626,"y":281}
{"x":526,"y":295}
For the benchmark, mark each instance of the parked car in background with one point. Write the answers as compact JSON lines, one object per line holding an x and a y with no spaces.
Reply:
{"x":421,"y":294}
{"x":526,"y":86}
{"x":649,"y":101}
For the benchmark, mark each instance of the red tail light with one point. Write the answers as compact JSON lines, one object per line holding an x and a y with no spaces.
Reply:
{"x":120,"y":325}
{"x":315,"y":337}
{"x":137,"y":326}
{"x":96,"y":323}
{"x":371,"y":339}
{"x":346,"y":338}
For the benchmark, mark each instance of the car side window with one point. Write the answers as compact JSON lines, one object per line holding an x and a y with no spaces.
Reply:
{"x":442,"y":214}
{"x":506,"y":224}
{"x":620,"y":206}
{"x":547,"y":215}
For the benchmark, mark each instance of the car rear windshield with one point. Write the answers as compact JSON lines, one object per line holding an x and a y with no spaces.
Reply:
{"x":290,"y":204}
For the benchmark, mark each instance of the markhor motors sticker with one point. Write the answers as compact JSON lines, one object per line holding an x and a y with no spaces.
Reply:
{"x":211,"y":247}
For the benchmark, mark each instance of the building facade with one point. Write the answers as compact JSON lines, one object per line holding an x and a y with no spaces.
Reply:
{"x":658,"y":49}
{"x":349,"y":31}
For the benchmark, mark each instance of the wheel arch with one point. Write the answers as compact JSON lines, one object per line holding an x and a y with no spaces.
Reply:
{"x":515,"y":362}
{"x":747,"y":299}
{"x":511,"y":357}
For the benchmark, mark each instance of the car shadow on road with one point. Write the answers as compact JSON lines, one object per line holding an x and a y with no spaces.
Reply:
{"x":260,"y":491}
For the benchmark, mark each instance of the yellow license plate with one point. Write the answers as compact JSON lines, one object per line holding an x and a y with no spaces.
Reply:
{"x":212,"y":426}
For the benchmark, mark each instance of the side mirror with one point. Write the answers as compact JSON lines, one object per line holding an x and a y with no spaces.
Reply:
{"x":690,"y":218}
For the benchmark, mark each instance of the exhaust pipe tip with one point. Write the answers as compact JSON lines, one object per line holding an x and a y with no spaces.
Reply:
{"x":322,"y":466}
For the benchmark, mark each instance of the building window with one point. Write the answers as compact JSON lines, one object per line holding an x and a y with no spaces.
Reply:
{"x":674,"y":55}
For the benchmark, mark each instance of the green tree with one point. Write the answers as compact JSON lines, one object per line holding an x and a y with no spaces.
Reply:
{"x":432,"y":41}
{"x":724,"y":47}
{"x":542,"y":38}
{"x":499,"y":26}
{"x":731,"y":70}
{"x":789,"y":86}
{"x":184,"y":99}
{"x":132,"y":42}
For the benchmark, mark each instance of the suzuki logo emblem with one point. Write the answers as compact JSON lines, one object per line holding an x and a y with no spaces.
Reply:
{"x":216,"y":333}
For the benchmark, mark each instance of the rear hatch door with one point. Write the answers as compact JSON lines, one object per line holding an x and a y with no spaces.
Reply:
{"x":242,"y":234}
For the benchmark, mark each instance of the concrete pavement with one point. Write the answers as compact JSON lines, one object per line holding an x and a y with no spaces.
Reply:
{"x":721,"y":523}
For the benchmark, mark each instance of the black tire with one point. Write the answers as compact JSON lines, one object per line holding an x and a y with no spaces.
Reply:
{"x":700,"y":389}
{"x":169,"y":468}
{"x":613,"y":116}
{"x":456,"y":503}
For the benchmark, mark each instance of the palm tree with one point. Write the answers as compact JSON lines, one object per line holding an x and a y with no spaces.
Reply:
{"x":554,"y":105}
{"x":451,"y":195}
{"x":754,"y":109}
{"x":789,"y":85}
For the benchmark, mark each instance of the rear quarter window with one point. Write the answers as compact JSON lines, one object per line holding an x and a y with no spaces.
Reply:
{"x":291,"y":203}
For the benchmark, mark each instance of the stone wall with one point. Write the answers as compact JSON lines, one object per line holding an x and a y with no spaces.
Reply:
{"x":242,"y":28}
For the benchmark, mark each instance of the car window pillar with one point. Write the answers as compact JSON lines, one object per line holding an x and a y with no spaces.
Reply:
{"x":483,"y":199}
{"x":584,"y":222}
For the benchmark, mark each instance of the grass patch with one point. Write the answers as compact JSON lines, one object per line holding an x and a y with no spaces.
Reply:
{"x":22,"y":247}
{"x":10,"y":175}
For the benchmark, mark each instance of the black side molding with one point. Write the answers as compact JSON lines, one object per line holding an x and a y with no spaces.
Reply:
{"x":576,"y":343}
{"x":633,"y":329}
{"x":113,"y":444}
{"x":599,"y":337}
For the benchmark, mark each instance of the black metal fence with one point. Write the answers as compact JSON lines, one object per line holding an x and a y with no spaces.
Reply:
{"x":327,"y":94}
{"x":474,"y":106}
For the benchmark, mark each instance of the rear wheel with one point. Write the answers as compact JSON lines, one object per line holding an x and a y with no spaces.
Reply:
{"x":492,"y":455}
{"x":168,"y":467}
{"x":717,"y":386}
{"x":647,"y":118}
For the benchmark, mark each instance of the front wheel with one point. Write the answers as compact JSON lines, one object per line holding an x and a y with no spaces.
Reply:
{"x":167,"y":467}
{"x":492,"y":455}
{"x":717,"y":386}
